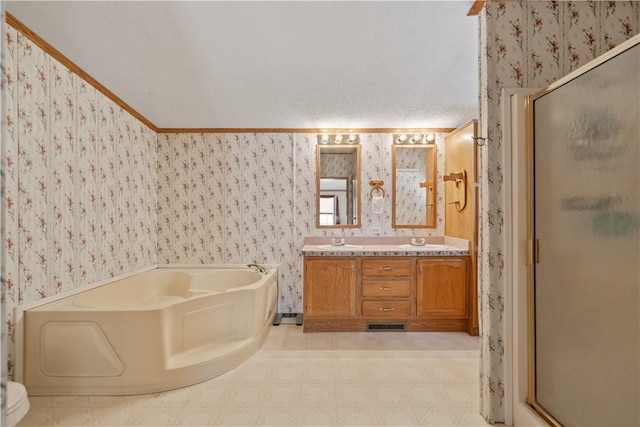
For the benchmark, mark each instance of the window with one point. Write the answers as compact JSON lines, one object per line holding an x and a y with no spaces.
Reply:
{"x":328,"y":210}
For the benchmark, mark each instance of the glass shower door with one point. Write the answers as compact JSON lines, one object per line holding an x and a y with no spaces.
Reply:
{"x":586,"y":218}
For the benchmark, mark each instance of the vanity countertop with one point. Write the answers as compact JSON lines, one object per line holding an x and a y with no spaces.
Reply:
{"x":385,"y":246}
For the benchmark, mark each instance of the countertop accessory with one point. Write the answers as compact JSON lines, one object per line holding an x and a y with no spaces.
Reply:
{"x":337,"y":241}
{"x":418,"y":241}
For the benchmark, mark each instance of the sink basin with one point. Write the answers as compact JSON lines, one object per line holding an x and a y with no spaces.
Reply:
{"x":338,"y":248}
{"x":409,"y":246}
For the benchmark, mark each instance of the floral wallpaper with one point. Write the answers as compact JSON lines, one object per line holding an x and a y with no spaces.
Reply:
{"x":82,"y":177}
{"x":525,"y":44}
{"x":411,"y":199}
{"x":91,"y":193}
{"x":250,"y":198}
{"x":3,"y":329}
{"x":79,"y":182}
{"x":339,"y":165}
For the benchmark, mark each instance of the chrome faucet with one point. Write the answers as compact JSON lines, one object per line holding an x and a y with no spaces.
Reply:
{"x":258,"y":267}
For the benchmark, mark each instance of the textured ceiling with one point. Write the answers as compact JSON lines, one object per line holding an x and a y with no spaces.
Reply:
{"x":273,"y":64}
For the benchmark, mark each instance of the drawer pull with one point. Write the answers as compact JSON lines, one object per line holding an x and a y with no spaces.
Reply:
{"x":385,"y":288}
{"x":387,"y":268}
{"x":386,"y":308}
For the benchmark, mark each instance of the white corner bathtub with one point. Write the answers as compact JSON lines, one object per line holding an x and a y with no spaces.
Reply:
{"x":154,"y":331}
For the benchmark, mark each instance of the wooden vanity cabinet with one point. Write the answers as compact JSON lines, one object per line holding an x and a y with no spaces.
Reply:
{"x":374,"y":293}
{"x":442,"y":287}
{"x":329,"y":288}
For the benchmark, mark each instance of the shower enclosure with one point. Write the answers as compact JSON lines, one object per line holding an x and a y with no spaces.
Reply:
{"x":584,"y":230}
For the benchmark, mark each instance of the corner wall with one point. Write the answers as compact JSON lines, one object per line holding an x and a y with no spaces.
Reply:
{"x":79,"y":181}
{"x":241,"y":198}
{"x":525,"y":44}
{"x":83,"y":178}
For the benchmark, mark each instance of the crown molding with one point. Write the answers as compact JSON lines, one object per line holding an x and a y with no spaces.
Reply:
{"x":74,"y":68}
{"x":305,"y":130}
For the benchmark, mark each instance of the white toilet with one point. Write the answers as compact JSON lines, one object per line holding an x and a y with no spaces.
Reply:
{"x":17,"y":403}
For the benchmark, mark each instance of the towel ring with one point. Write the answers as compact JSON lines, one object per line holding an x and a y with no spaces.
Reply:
{"x":377,"y":185}
{"x":377,"y":188}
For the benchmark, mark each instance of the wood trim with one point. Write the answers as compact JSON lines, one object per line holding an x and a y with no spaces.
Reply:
{"x":464,"y":224}
{"x":476,"y":8}
{"x":350,"y":324}
{"x":56,"y":54}
{"x":304,"y":130}
{"x":463,"y":127}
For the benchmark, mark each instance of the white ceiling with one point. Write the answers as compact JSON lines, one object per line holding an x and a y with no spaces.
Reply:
{"x":272,"y":64}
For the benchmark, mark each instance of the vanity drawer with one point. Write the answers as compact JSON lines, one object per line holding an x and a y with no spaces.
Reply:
{"x":386,"y":267}
{"x":386,"y":288}
{"x":386,"y":308}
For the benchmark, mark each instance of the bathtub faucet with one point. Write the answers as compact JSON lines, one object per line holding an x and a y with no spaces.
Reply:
{"x":258,"y":267}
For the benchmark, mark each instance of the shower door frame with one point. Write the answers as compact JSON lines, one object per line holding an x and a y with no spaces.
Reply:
{"x":532,"y":243}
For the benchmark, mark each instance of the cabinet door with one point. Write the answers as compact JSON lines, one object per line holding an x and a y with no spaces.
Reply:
{"x":330,"y":287}
{"x":442,"y":288}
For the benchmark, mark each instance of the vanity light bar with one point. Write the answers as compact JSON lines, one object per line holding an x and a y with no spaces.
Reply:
{"x":326,"y":138}
{"x":338,"y":138}
{"x":416,"y":138}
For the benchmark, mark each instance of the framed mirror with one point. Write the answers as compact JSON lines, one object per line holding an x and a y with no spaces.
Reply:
{"x":413,"y":195}
{"x":338,"y":186}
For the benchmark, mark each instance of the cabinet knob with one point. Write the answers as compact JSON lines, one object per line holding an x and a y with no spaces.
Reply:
{"x":385,"y":288}
{"x":387,"y":268}
{"x":386,"y":308}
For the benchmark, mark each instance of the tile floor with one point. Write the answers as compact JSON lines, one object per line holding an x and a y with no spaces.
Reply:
{"x":296,"y":379}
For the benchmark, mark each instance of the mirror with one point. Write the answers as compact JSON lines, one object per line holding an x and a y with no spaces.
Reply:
{"x":413,"y":195}
{"x":337,"y":186}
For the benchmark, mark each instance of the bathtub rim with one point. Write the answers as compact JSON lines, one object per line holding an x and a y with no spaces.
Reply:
{"x":18,"y":310}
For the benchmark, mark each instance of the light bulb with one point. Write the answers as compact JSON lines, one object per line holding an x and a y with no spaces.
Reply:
{"x":324,"y":139}
{"x":402,"y":138}
{"x":338,"y":139}
{"x":430,"y":138}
